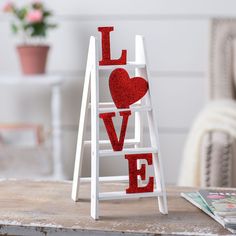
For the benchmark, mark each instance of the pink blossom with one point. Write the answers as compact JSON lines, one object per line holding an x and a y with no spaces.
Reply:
{"x":8,"y":7}
{"x":34,"y":16}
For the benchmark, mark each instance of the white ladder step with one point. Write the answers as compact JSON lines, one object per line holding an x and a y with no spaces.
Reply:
{"x":111,"y":104}
{"x":129,"y":65}
{"x":108,"y":142}
{"x":132,"y":109}
{"x":107,"y":153}
{"x":122,"y":178}
{"x":124,"y":195}
{"x":104,"y":104}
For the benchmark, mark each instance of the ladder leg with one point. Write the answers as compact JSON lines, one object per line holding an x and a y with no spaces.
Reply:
{"x":95,"y":136}
{"x":79,"y":150}
{"x":77,"y":173}
{"x":159,"y":177}
{"x":82,"y":127}
{"x":162,"y":200}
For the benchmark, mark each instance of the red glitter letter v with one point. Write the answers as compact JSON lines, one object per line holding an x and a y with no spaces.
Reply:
{"x":116,"y":144}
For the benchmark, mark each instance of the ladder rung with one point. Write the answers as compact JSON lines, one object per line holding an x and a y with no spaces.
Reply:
{"x":107,"y":179}
{"x":109,"y":104}
{"x":132,"y":109}
{"x":107,"y":153}
{"x":108,"y":142}
{"x":129,"y":65}
{"x":104,"y":104}
{"x":124,"y":195}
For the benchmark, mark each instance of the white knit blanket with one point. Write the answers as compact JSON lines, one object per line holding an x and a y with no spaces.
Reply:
{"x":218,"y":115}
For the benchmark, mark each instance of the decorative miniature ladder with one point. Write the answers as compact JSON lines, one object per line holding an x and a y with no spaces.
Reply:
{"x":92,"y":76}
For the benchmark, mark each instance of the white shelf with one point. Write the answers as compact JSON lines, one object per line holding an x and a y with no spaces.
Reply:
{"x":124,"y":195}
{"x":129,"y":65}
{"x":30,"y":79}
{"x":54,"y":81}
{"x":107,"y":153}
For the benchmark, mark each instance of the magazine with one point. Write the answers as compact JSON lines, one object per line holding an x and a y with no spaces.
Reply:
{"x":195,"y":199}
{"x":221,"y":202}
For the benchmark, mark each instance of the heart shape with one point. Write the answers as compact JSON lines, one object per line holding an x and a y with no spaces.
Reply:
{"x":125,"y":90}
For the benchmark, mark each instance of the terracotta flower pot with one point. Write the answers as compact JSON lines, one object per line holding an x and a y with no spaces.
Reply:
{"x":33,"y":58}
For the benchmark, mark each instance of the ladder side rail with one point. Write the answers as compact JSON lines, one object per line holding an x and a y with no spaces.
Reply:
{"x":82,"y":126}
{"x":138,"y":132}
{"x":95,"y":133}
{"x":140,"y":56}
{"x":139,"y":123}
{"x":158,"y":168}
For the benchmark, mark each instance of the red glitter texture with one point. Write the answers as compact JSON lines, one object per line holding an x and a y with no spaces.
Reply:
{"x":125,"y":90}
{"x":106,"y":49}
{"x":134,"y":172}
{"x":116,"y":144}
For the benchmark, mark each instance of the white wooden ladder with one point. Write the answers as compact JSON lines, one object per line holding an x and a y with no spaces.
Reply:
{"x":91,"y":86}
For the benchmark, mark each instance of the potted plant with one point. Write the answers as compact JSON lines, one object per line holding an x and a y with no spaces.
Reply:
{"x":31,"y":23}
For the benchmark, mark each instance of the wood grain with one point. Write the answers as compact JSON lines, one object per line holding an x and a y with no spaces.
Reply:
{"x":45,"y":208}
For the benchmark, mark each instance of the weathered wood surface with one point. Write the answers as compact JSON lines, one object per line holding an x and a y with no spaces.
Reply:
{"x":46,"y":208}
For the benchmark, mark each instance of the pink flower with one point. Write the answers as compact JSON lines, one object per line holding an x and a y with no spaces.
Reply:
{"x":34,"y":16}
{"x":8,"y":7}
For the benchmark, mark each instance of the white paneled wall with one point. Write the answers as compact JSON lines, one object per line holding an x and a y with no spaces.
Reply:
{"x":176,"y":33}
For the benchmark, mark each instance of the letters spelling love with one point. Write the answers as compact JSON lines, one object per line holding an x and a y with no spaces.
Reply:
{"x":124,"y":91}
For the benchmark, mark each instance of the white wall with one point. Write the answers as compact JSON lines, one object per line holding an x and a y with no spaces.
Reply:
{"x":176,"y":33}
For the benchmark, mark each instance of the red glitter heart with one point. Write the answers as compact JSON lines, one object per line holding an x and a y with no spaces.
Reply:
{"x":125,"y":90}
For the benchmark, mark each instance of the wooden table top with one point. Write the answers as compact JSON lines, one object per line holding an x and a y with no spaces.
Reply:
{"x":45,"y":208}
